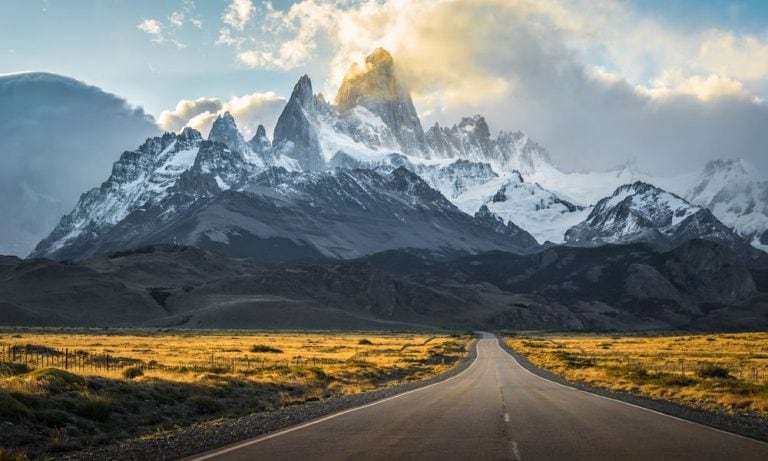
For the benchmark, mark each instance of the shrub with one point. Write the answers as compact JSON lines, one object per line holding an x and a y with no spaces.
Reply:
{"x":95,"y":407}
{"x":365,"y":342}
{"x":204,"y":405}
{"x":8,"y":454}
{"x":56,"y":380}
{"x":713,"y":371}
{"x":12,"y":409}
{"x":265,"y":348}
{"x":11,"y":369}
{"x":666,"y":379}
{"x":133,"y":372}
{"x":574,"y":361}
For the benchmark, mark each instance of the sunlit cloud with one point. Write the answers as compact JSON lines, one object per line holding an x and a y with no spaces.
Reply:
{"x":238,"y":13}
{"x":249,"y":112}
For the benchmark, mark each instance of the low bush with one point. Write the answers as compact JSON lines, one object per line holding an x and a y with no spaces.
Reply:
{"x":713,"y":371}
{"x":204,"y":405}
{"x":365,"y":342}
{"x":266,"y":349}
{"x":8,"y":454}
{"x":12,"y":369}
{"x":133,"y":372}
{"x":95,"y":407}
{"x":56,"y":380}
{"x":11,"y":409}
{"x":668,"y":379}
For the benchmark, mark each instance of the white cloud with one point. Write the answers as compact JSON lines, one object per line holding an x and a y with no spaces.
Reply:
{"x":249,"y":112}
{"x":177,"y":19}
{"x":238,"y":13}
{"x":738,"y":56}
{"x":710,"y":87}
{"x":174,"y":120}
{"x":152,"y":27}
{"x":167,"y":32}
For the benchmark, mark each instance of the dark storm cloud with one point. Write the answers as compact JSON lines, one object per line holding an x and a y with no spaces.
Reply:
{"x":58,"y":138}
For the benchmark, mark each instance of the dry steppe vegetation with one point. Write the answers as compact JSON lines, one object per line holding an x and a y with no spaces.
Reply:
{"x":717,"y":372}
{"x":127,"y":384}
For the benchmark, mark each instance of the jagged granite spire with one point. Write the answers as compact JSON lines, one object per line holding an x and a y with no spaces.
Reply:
{"x":295,"y":131}
{"x":375,"y":86}
{"x":224,"y":130}
{"x":259,"y":142}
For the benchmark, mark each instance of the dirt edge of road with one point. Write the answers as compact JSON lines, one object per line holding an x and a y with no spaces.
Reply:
{"x":210,"y":435}
{"x":753,"y":427}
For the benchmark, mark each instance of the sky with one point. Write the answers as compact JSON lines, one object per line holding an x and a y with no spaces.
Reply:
{"x":668,"y":83}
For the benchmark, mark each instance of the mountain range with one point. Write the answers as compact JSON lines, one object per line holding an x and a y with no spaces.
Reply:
{"x":353,"y":215}
{"x":346,"y":179}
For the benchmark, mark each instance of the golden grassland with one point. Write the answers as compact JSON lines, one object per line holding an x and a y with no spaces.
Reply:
{"x":157,"y":380}
{"x":719,"y":372}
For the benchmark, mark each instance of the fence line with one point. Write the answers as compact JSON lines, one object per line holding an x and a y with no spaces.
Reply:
{"x":36,"y":356}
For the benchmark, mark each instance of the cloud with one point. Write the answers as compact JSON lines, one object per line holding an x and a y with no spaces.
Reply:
{"x":153,"y":28}
{"x":595,"y":82}
{"x":60,"y":138}
{"x":167,"y":31}
{"x":711,"y":87}
{"x":186,"y":109}
{"x":238,"y":13}
{"x":743,"y":57}
{"x":249,"y":112}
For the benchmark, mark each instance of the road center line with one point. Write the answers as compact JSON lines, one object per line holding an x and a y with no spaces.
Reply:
{"x":516,"y":452}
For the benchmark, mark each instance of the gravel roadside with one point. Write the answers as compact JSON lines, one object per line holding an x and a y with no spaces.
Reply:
{"x":209,"y":435}
{"x":755,"y":427}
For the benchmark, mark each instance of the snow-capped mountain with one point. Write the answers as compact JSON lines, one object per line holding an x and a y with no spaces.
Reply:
{"x":369,"y":155}
{"x":641,"y":212}
{"x":471,"y":140}
{"x":736,"y":194}
{"x":278,"y":215}
{"x":138,"y":178}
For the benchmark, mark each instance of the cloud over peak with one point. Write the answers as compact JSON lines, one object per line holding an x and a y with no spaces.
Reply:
{"x":249,"y":112}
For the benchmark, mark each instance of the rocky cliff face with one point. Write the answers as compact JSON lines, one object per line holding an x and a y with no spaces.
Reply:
{"x":296,"y":132}
{"x":471,"y":139}
{"x":375,"y":86}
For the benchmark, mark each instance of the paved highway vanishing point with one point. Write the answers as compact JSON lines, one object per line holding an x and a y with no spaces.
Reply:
{"x":495,"y":410}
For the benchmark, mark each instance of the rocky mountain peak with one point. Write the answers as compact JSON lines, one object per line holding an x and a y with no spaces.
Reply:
{"x":190,"y":134}
{"x":375,"y":85}
{"x":224,"y":130}
{"x":302,"y":94}
{"x":259,"y":142}
{"x":475,"y":125}
{"x":295,"y":132}
{"x":733,"y":165}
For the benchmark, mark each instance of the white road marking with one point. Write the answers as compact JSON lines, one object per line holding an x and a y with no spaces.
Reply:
{"x":248,"y":443}
{"x":516,"y":452}
{"x":506,"y":417}
{"x":627,"y":403}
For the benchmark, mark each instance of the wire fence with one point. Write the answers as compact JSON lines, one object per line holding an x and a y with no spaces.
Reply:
{"x":37,"y":356}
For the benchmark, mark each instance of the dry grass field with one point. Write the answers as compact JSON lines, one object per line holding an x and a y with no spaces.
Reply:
{"x":65,"y":391}
{"x":720,"y":372}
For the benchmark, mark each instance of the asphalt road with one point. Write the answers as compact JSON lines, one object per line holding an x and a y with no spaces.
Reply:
{"x":496,"y":409}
